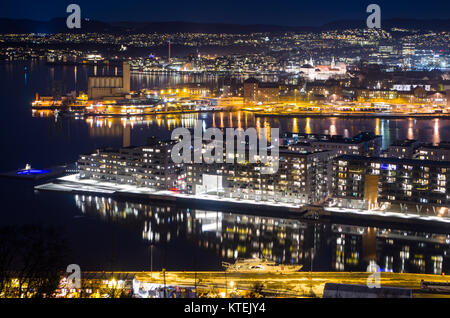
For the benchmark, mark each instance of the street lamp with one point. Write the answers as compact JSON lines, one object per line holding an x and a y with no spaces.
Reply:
{"x":165,"y":289}
{"x":151,"y":261}
{"x":226,"y":285}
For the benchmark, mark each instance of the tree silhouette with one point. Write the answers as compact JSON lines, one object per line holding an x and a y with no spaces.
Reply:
{"x":32,"y":259}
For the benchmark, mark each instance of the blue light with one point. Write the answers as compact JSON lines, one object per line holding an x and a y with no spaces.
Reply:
{"x":32,"y":172}
{"x":385,"y":166}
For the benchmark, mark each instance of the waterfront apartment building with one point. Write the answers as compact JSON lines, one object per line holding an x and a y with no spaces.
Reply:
{"x":363,"y":144}
{"x":413,"y":149}
{"x":301,"y":178}
{"x":434,"y":152}
{"x":402,"y":149}
{"x":404,"y":185}
{"x":146,"y":166}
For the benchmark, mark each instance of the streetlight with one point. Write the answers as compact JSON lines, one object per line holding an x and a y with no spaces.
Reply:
{"x":165,"y":290}
{"x":151,"y":261}
{"x":226,"y":285}
{"x":310,"y":270}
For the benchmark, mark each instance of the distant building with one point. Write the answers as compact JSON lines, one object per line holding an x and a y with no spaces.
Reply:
{"x":365,"y":94}
{"x":101,"y":87}
{"x":256,"y":91}
{"x":408,"y":49}
{"x":385,"y":51}
{"x":322,"y":72}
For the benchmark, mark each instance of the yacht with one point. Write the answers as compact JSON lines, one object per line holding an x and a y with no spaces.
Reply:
{"x":259,"y":265}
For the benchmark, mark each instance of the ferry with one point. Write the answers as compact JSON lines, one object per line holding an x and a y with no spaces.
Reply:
{"x":259,"y":265}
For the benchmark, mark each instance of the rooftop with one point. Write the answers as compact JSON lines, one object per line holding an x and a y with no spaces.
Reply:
{"x":412,"y":162}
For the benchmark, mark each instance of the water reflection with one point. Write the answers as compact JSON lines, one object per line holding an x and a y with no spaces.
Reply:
{"x":436,"y":135}
{"x":432,"y":131}
{"x":336,"y":247}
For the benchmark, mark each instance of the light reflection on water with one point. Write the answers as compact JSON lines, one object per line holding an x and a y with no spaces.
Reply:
{"x":337,"y":247}
{"x":426,"y":130}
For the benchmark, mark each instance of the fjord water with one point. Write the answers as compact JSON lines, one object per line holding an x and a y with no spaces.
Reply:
{"x":106,"y":234}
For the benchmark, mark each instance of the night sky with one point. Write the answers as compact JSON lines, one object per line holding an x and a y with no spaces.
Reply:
{"x":279,"y":12}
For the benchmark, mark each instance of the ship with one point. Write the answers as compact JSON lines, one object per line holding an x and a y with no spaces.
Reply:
{"x":259,"y":265}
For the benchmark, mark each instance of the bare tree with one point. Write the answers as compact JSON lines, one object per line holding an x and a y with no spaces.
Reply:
{"x":32,"y":259}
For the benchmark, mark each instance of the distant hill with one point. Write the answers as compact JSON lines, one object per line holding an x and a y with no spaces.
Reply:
{"x":58,"y":25}
{"x":435,"y":24}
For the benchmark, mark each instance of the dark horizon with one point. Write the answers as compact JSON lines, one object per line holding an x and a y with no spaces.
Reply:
{"x":251,"y":12}
{"x":58,"y":25}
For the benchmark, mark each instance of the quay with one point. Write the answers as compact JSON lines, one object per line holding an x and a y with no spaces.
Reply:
{"x":29,"y":173}
{"x":352,"y":115}
{"x":71,"y":184}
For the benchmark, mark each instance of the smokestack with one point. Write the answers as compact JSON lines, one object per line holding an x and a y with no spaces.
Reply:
{"x":126,"y":77}
{"x":169,"y":50}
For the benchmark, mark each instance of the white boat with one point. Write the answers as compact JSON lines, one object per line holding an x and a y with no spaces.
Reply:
{"x":259,"y":265}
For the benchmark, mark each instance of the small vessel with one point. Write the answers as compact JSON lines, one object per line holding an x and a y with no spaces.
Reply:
{"x":259,"y":265}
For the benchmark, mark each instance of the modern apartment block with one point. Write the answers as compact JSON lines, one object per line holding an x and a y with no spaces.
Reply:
{"x":413,"y":149}
{"x":363,"y":144}
{"x":403,"y":149}
{"x":145,"y":166}
{"x":404,"y":185}
{"x":432,"y":152}
{"x":302,"y":178}
{"x":318,"y":176}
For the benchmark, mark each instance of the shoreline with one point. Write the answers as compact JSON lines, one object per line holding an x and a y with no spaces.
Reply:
{"x":313,"y":213}
{"x":354,"y":115}
{"x":154,"y":113}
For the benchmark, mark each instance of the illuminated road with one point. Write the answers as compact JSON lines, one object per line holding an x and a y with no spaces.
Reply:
{"x":298,"y":284}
